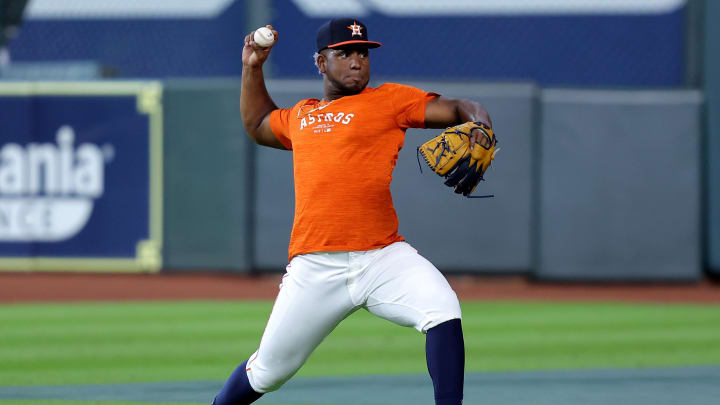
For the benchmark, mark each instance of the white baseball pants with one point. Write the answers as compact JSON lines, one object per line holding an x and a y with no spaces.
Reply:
{"x":321,"y":289}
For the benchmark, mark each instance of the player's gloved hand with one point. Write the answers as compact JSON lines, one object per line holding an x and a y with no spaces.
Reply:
{"x":453,"y":156}
{"x":253,"y":54}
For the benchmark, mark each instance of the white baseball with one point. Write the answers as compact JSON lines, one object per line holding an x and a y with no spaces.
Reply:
{"x":264,"y":37}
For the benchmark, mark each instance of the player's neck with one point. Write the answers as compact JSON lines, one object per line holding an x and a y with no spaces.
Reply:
{"x":332,"y":96}
{"x":333,"y":93}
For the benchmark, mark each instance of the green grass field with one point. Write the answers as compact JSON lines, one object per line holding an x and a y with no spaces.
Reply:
{"x":48,"y":344}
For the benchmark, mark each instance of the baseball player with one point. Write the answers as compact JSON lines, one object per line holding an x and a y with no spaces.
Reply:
{"x":345,"y":252}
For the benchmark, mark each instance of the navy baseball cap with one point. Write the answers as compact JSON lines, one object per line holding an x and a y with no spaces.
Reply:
{"x":343,"y":31}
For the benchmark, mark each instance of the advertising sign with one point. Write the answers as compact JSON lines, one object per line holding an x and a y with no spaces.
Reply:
{"x":81,"y":176}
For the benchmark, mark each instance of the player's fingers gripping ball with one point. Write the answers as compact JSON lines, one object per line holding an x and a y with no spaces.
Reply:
{"x":450,"y":155}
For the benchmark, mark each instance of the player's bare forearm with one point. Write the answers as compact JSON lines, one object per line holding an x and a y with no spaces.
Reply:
{"x":255,"y":102}
{"x":443,"y":112}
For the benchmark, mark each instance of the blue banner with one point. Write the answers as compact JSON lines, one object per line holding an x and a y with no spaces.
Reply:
{"x":75,"y":178}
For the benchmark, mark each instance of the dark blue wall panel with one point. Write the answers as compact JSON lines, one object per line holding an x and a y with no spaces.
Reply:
{"x":574,"y":49}
{"x":550,"y":49}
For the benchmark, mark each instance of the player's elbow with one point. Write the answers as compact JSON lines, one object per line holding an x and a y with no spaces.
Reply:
{"x":263,"y":136}
{"x":253,"y":133}
{"x":258,"y":128}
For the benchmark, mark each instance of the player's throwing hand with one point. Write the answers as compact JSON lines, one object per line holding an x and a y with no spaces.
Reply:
{"x":253,"y":54}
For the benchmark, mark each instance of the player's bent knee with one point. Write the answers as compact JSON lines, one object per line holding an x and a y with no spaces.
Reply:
{"x":448,"y":302}
{"x":264,"y":382}
{"x":266,"y":378}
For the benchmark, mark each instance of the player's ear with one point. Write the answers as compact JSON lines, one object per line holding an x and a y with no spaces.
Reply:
{"x":321,"y":60}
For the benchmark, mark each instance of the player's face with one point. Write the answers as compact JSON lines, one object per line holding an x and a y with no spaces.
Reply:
{"x":347,"y":68}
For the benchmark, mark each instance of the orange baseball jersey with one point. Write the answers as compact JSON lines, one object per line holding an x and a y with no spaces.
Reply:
{"x":344,"y":152}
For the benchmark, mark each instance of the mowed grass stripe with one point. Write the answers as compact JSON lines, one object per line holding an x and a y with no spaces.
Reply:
{"x":136,"y":311}
{"x":196,"y":340}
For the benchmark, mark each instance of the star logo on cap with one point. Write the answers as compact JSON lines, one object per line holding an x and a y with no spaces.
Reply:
{"x":355,"y":29}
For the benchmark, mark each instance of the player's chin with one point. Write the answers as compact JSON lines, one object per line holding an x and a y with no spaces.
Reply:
{"x":355,"y":83}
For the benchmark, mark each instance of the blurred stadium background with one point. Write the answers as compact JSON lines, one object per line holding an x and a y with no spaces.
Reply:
{"x":607,"y":112}
{"x":122,"y":151}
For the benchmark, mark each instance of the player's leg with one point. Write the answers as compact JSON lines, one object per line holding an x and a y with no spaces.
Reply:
{"x":405,"y":288}
{"x":312,"y":300}
{"x":445,"y":354}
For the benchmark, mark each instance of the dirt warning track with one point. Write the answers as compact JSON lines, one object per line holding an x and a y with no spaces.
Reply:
{"x":60,"y":287}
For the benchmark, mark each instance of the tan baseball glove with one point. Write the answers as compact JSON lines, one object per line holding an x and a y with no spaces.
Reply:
{"x":449,"y":155}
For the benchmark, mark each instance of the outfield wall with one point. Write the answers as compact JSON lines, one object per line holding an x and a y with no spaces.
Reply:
{"x":619,"y":185}
{"x":589,"y":185}
{"x":208,"y":181}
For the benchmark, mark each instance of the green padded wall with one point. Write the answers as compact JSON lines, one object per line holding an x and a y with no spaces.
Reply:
{"x":208,"y":177}
{"x":620,"y":185}
{"x":712,"y":126}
